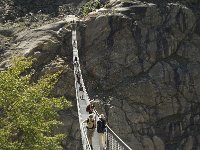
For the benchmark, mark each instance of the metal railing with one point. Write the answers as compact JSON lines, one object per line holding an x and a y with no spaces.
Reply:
{"x":85,"y":142}
{"x":114,"y":142}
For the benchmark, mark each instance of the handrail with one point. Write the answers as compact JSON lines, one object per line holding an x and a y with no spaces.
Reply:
{"x":84,"y":130}
{"x":123,"y":145}
{"x":85,"y":142}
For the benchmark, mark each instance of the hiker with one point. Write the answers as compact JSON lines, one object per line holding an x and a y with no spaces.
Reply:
{"x":76,"y":64}
{"x":78,"y":77}
{"x":90,"y":108}
{"x":75,"y":60}
{"x":101,"y":129}
{"x":91,"y":125}
{"x":81,"y":92}
{"x":74,"y":44}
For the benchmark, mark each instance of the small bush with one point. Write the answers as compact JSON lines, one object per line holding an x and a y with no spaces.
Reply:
{"x":90,"y":6}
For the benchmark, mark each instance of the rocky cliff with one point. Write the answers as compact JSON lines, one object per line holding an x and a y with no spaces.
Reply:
{"x":140,"y":59}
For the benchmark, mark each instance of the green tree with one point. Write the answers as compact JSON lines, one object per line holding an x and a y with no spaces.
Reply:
{"x":28,"y":112}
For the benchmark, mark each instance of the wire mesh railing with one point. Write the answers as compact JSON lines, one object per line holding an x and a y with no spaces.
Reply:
{"x":114,"y":142}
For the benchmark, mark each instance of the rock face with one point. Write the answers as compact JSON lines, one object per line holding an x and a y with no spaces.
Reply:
{"x":141,"y":60}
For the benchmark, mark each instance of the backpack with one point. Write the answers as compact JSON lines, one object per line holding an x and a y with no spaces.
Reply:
{"x":88,"y":108}
{"x":91,"y":123}
{"x":101,"y":127}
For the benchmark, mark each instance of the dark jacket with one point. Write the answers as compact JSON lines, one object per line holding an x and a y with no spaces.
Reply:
{"x":101,"y":125}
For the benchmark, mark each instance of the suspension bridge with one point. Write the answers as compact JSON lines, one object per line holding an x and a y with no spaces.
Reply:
{"x":113,"y":142}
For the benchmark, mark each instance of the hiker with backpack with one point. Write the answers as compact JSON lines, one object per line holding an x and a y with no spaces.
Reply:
{"x":90,"y":108}
{"x":101,"y":129}
{"x":91,"y":125}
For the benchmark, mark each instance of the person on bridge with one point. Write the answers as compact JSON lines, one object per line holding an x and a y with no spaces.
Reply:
{"x":76,"y":64}
{"x":90,"y":108}
{"x":74,"y":44}
{"x":78,"y":76}
{"x":91,"y":125}
{"x":101,"y":129}
{"x":81,"y":92}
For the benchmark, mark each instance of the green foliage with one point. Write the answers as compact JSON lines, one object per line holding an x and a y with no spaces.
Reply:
{"x":90,"y":6}
{"x":28,"y":112}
